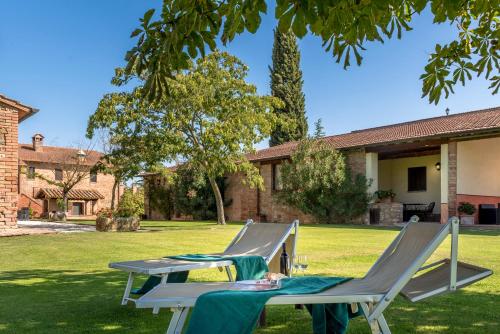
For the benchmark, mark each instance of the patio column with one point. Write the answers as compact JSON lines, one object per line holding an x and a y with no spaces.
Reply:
{"x":444,"y":183}
{"x":372,"y":171}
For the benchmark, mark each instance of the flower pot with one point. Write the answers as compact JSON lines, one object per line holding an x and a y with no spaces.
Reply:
{"x":120,"y":224}
{"x":104,"y":224}
{"x":127,"y":224}
{"x":467,"y":219}
{"x":386,"y":200}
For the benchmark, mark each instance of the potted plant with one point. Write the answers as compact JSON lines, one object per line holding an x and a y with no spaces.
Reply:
{"x":466,"y":211}
{"x":385,"y":196}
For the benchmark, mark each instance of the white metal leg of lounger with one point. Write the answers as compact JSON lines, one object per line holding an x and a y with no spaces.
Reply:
{"x":126,"y":294}
{"x":163,"y":281}
{"x":377,"y":326}
{"x":178,"y":319}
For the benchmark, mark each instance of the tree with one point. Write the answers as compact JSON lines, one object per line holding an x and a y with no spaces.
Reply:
{"x":319,"y":129}
{"x":120,"y":159}
{"x":317,"y":181}
{"x":72,"y":167}
{"x":185,"y":28}
{"x":193,"y":194}
{"x":210,"y":119}
{"x":286,"y":84}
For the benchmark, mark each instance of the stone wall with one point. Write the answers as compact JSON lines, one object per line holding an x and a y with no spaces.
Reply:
{"x":8,"y":166}
{"x":390,"y":213}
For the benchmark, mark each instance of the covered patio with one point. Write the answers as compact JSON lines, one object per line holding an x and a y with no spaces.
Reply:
{"x":416,"y":174}
{"x":81,"y":202}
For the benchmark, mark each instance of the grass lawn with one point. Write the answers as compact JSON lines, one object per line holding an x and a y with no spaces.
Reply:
{"x":61,"y":284}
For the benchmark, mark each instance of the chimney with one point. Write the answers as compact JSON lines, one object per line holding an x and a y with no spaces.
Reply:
{"x":37,"y":142}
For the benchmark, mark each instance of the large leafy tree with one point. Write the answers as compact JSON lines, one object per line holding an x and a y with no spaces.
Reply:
{"x":185,"y":27}
{"x":210,"y":119}
{"x":286,"y":84}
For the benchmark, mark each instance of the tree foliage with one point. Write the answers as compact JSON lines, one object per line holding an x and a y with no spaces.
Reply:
{"x":286,"y":84}
{"x":192,"y":194}
{"x":121,"y":159}
{"x":210,"y":119}
{"x":166,"y":42}
{"x":318,"y":182}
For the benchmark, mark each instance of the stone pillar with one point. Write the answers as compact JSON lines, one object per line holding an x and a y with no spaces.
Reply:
{"x":444,"y":183}
{"x":8,"y":166}
{"x":372,"y":171}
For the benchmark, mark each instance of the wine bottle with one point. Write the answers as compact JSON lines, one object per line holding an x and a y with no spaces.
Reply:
{"x":284,"y":263}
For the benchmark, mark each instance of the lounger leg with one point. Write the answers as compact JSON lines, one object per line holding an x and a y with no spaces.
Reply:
{"x":163,"y":281}
{"x":229,"y":274}
{"x":384,"y":327}
{"x":178,"y":319}
{"x":374,"y":324}
{"x":128,"y":287}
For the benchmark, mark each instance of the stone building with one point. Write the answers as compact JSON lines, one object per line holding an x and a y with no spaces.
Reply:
{"x":432,"y":164}
{"x":11,"y":114}
{"x":39,"y":163}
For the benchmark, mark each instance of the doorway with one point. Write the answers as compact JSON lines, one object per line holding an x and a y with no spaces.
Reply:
{"x":77,"y":209}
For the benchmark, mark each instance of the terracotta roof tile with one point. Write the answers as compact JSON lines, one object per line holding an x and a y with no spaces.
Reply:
{"x":55,"y":154}
{"x":24,"y":111}
{"x":74,"y":194}
{"x":437,"y":127}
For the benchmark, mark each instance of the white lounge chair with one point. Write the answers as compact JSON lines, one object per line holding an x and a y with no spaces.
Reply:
{"x":391,"y":274}
{"x":264,"y":239}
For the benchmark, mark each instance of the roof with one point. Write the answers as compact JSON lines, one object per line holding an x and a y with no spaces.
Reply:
{"x":55,"y":154}
{"x":74,"y":194}
{"x":467,"y":123}
{"x":23,"y":111}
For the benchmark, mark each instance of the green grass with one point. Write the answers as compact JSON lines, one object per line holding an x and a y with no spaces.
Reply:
{"x":61,"y":284}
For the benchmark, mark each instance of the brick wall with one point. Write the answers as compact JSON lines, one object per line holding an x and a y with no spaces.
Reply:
{"x":452,"y":179}
{"x":8,"y":167}
{"x":245,"y":204}
{"x":30,"y":187}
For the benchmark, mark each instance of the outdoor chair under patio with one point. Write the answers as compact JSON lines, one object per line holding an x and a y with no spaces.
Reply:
{"x":257,"y":239}
{"x":391,"y":274}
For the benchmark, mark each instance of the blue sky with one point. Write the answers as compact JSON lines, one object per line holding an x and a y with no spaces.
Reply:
{"x":59,"y":56}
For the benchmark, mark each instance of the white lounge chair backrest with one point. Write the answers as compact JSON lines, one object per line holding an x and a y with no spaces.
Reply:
{"x":263,"y":239}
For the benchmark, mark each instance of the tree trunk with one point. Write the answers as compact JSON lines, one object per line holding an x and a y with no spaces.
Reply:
{"x":113,"y":194}
{"x":218,"y":201}
{"x":65,"y":206}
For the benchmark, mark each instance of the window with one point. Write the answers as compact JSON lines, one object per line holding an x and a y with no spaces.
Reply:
{"x":31,"y":173}
{"x":3,"y":139}
{"x":58,"y":174}
{"x":417,"y":179}
{"x":276,"y":177}
{"x":93,"y":177}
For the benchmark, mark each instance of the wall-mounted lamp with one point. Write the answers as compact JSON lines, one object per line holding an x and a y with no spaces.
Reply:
{"x":438,"y":165}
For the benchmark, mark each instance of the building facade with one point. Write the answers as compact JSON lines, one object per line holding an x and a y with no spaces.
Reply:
{"x":431,"y":164}
{"x":11,"y":114}
{"x":40,"y":164}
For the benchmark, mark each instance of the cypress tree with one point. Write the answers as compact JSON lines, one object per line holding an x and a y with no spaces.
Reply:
{"x":286,"y":84}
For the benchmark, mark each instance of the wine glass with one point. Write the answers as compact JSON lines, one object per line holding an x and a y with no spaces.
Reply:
{"x":300,"y":263}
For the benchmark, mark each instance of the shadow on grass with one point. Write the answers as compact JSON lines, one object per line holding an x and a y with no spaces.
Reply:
{"x":49,"y":301}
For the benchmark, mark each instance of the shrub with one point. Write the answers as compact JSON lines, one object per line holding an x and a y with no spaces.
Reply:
{"x":317,"y":181}
{"x":131,"y":204}
{"x":104,"y":213}
{"x":466,"y":208}
{"x":383,"y":194}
